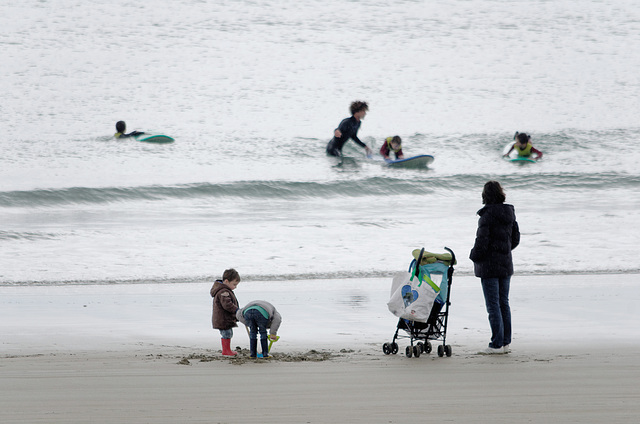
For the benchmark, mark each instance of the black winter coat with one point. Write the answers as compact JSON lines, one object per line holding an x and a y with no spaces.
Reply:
{"x":498,"y":234}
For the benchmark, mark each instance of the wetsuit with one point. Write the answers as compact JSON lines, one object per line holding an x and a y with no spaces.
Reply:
{"x":123,"y":135}
{"x":349,"y":128}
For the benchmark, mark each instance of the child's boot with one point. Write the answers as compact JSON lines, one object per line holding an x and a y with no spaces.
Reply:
{"x":253,"y":347}
{"x":265,"y":347}
{"x":226,"y":348}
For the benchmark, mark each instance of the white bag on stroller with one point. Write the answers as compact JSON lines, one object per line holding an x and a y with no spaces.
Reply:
{"x":412,"y":297}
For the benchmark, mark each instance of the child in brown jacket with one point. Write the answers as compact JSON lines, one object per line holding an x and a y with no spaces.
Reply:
{"x":225,"y":306}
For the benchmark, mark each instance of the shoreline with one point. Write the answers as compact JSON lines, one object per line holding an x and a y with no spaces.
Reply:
{"x":286,"y":277}
{"x":317,"y":314}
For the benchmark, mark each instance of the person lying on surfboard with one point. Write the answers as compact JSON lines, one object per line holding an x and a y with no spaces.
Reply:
{"x":523,"y":146}
{"x":392,"y":144}
{"x":121,"y":127}
{"x":347,"y":129}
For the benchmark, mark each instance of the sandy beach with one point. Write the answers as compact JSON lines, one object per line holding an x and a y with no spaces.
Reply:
{"x":146,"y":354}
{"x":587,"y":386}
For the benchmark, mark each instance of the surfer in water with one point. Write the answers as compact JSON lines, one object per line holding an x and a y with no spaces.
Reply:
{"x":523,"y":146}
{"x":392,"y":144}
{"x":347,"y":129}
{"x":121,"y":127}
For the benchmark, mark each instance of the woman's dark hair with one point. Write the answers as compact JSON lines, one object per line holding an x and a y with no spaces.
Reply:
{"x":120,"y":126}
{"x":492,"y":193}
{"x":358,"y":106}
{"x":231,"y":275}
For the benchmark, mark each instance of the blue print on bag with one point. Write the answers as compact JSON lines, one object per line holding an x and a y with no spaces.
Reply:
{"x":408,"y":296}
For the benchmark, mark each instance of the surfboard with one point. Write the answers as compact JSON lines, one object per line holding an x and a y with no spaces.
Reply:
{"x":420,"y":161}
{"x":154,"y":138}
{"x":521,"y":159}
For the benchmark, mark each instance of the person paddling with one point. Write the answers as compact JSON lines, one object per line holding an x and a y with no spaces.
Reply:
{"x":523,"y":146}
{"x":121,"y":127}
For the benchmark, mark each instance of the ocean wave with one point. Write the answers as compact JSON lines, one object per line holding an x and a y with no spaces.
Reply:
{"x":373,"y":186}
{"x":26,"y":235}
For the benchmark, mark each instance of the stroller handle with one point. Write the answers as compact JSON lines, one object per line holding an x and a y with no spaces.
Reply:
{"x":453,"y":255}
{"x":416,"y":269}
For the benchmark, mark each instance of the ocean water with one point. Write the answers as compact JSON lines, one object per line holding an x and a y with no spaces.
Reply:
{"x":252,"y":91}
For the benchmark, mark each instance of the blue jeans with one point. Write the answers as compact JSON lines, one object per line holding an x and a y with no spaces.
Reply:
{"x":256,"y":323}
{"x":496,"y":298}
{"x":226,"y":334}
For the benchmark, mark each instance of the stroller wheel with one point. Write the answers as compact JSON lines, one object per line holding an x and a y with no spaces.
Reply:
{"x":409,"y":352}
{"x":440,"y":351}
{"x":394,"y":348}
{"x":416,"y":351}
{"x":428,"y":347}
{"x":386,"y":349}
{"x":420,"y":347}
{"x":447,"y":350}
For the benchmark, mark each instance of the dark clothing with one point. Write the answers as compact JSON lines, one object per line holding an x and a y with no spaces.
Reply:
{"x":349,"y":129}
{"x":498,"y":234}
{"x":496,"y":299}
{"x":257,"y":324}
{"x":131,"y":134}
{"x":273,"y":317}
{"x":225,"y":306}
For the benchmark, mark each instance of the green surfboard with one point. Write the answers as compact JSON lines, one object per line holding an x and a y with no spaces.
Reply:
{"x":154,"y":138}
{"x":521,"y":159}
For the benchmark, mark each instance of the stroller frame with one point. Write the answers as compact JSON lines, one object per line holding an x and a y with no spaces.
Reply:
{"x":422,"y":333}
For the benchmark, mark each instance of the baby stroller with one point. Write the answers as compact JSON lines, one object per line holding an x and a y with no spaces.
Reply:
{"x":421,"y":323}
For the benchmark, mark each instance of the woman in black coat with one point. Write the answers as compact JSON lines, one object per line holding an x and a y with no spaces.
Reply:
{"x":498,"y":234}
